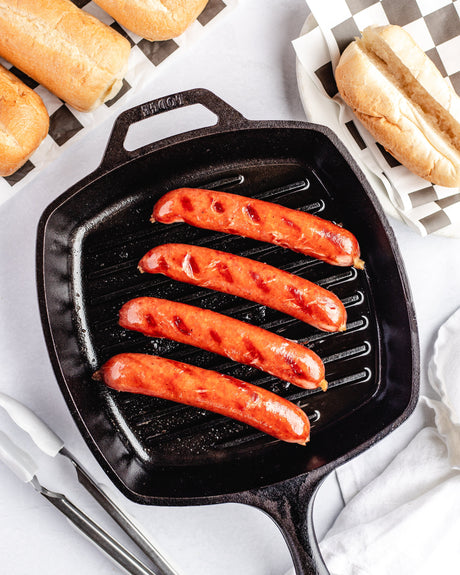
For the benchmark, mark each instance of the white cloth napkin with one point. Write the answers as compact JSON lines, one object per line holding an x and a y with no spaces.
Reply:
{"x":405,"y":518}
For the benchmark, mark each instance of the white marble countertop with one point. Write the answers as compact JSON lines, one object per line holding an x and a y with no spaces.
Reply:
{"x":248,"y":61}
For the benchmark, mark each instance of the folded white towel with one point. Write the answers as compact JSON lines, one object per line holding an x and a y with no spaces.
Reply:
{"x":406,"y":519}
{"x":402,"y":513}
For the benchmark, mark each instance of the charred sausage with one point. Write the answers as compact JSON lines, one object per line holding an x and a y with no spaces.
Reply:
{"x":248,"y":279}
{"x":240,"y":341}
{"x":299,"y":231}
{"x":183,"y":383}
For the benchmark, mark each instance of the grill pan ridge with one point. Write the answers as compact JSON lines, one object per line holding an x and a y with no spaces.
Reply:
{"x":157,"y":452}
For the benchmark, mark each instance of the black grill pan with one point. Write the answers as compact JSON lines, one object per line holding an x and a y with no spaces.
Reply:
{"x":156,"y":452}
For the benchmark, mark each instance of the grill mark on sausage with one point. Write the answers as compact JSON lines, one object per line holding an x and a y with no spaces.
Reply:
{"x":162,"y":265}
{"x":192,"y":263}
{"x":299,"y":299}
{"x":259,"y":282}
{"x":203,"y":393}
{"x":252,"y":349}
{"x":218,"y":207}
{"x":186,"y":203}
{"x":252,"y":213}
{"x":244,"y":387}
{"x":335,"y":238}
{"x":181,"y":325}
{"x":294,"y":366}
{"x":291,"y":224}
{"x":215,"y":336}
{"x":224,"y":272}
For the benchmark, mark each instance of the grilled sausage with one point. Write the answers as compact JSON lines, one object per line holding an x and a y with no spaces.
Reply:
{"x":240,"y":341}
{"x":176,"y":381}
{"x":299,"y":231}
{"x":248,"y":279}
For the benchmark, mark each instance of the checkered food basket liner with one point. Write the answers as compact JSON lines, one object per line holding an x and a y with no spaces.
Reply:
{"x":435,"y":26}
{"x":68,"y":125}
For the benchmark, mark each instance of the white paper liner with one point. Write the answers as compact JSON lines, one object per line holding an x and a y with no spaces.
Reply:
{"x":68,"y":126}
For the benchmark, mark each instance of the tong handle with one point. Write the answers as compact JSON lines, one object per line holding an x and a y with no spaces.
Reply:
{"x":50,"y":443}
{"x":121,"y":518}
{"x":43,"y":437}
{"x":16,"y":459}
{"x":25,"y":468}
{"x":117,"y":552}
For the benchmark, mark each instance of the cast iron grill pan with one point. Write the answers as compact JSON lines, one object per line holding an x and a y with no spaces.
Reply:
{"x":89,"y":243}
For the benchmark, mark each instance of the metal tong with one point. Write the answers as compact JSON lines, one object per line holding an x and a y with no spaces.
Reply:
{"x":22,"y":464}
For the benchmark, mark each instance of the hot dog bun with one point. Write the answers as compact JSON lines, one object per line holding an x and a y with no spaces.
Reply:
{"x":24,"y":122}
{"x":154,"y":19}
{"x":65,"y":49}
{"x":402,"y":99}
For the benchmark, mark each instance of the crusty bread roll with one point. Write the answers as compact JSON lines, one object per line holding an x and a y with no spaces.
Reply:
{"x":402,"y":99}
{"x":65,"y":49}
{"x":24,"y":122}
{"x":154,"y":19}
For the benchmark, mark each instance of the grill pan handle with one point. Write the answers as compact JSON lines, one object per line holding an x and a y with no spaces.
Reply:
{"x":290,"y":505}
{"x":116,"y":154}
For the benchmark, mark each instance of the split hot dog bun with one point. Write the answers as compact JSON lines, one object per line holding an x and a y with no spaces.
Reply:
{"x":24,"y":122}
{"x":65,"y":49}
{"x":154,"y":19}
{"x":401,"y":98}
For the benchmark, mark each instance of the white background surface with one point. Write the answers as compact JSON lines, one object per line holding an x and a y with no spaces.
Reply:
{"x":249,"y":62}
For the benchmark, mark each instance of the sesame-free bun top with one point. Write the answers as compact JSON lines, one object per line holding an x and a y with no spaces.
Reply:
{"x":402,"y":99}
{"x":154,"y":19}
{"x":70,"y":52}
{"x":24,"y":122}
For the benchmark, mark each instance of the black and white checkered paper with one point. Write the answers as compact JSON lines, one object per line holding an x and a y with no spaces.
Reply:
{"x":67,"y":125}
{"x":435,"y":26}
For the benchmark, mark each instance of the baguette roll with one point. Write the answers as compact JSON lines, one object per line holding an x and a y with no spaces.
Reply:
{"x":70,"y":52}
{"x":154,"y":19}
{"x":24,"y":122}
{"x":401,"y":98}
